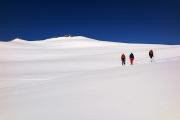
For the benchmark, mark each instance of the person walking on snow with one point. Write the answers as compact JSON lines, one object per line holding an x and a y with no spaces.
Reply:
{"x":131,"y":57}
{"x":123,"y":59}
{"x":151,"y":54}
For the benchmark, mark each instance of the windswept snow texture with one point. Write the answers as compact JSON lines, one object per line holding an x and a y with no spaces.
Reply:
{"x":77,"y":78}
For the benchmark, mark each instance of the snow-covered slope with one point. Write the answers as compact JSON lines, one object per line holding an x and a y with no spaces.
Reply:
{"x":62,"y":42}
{"x":78,"y":78}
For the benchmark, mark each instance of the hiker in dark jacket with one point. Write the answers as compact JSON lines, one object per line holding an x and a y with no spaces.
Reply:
{"x":131,"y":57}
{"x":123,"y":59}
{"x":151,"y":54}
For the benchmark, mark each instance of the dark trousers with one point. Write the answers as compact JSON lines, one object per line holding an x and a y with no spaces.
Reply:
{"x":123,"y":62}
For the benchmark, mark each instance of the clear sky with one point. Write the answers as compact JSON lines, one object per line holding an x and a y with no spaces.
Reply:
{"x":139,"y":21}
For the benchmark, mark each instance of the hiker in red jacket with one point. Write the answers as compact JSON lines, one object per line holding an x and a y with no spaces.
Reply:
{"x":123,"y":59}
{"x":131,"y":57}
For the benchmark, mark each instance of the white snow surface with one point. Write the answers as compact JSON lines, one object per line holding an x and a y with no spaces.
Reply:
{"x":78,"y":78}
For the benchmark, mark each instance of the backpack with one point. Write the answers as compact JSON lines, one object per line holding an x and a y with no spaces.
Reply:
{"x":131,"y":55}
{"x":123,"y":56}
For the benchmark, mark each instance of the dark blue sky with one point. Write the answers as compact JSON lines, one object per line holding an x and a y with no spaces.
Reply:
{"x":140,"y":21}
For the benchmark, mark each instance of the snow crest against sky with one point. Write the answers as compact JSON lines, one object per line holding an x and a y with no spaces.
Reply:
{"x":141,"y":21}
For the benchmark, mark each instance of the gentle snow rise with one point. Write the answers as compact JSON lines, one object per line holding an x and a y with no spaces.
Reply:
{"x":78,"y":78}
